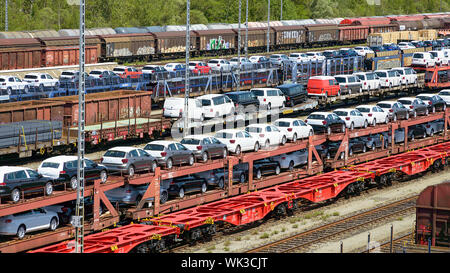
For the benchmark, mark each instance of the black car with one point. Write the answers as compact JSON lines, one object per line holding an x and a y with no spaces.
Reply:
{"x":350,"y":52}
{"x":265,"y":166}
{"x":17,"y":180}
{"x":330,"y":54}
{"x":417,"y":131}
{"x":180,"y":185}
{"x":294,"y":93}
{"x":105,"y":77}
{"x":322,"y":150}
{"x":430,"y":43}
{"x":244,"y":101}
{"x":377,"y":48}
{"x":355,"y":145}
{"x":68,"y":209}
{"x":418,"y":43}
{"x":434,"y":102}
{"x":69,"y":79}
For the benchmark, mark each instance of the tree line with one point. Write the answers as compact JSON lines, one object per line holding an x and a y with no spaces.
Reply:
{"x":58,"y":14}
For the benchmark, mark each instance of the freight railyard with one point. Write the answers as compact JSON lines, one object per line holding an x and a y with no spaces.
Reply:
{"x":290,"y":136}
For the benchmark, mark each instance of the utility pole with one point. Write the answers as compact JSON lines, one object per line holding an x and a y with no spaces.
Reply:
{"x":281,"y":11}
{"x":268,"y":26}
{"x":6,"y":15}
{"x":186,"y":83}
{"x":238,"y":87}
{"x":246,"y":30}
{"x":79,"y":219}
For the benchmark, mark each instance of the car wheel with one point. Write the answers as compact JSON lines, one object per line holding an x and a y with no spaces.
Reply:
{"x":433,"y":109}
{"x":427,"y":112}
{"x":221,"y":184}
{"x":204,"y":187}
{"x":103,"y":176}
{"x":412,"y":136}
{"x":238,"y":150}
{"x":294,"y":137}
{"x":48,"y":188}
{"x":352,"y":126}
{"x":258,"y":174}
{"x":256,"y":147}
{"x":53,"y":223}
{"x":283,"y":105}
{"x":73,"y":183}
{"x":202,"y":118}
{"x":242,"y":178}
{"x":424,"y":134}
{"x":225,"y":153}
{"x":328,"y":155}
{"x":360,"y":90}
{"x":395,"y":117}
{"x":350,"y":152}
{"x":269,"y":106}
{"x":267,"y":144}
{"x":366,"y":124}
{"x":154,"y":166}
{"x":169,"y":163}
{"x":181,"y":192}
{"x":191,"y":160}
{"x":205,"y":157}
{"x":374,"y":122}
{"x":415,"y":114}
{"x":26,"y":89}
{"x":291,"y":165}
{"x":41,"y":87}
{"x":283,"y":140}
{"x":342,"y":156}
{"x":386,"y":120}
{"x":277,"y":170}
{"x":432,"y":132}
{"x":130,"y":170}
{"x":328,"y":130}
{"x":343,"y":128}
{"x":407,"y":116}
{"x":21,"y":232}
{"x":15,"y":195}
{"x":364,"y":148}
{"x":9,"y":91}
{"x":163,"y":197}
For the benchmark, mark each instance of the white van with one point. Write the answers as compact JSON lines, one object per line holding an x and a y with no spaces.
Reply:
{"x":409,"y":76}
{"x":270,"y":97}
{"x":389,"y":78}
{"x":440,"y":57}
{"x":216,"y":105}
{"x":369,"y":80}
{"x":174,"y":108}
{"x":423,"y":59}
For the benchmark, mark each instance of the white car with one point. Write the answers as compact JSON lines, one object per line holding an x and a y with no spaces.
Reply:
{"x":220,"y":65}
{"x":405,"y":45}
{"x":237,"y":141}
{"x":315,"y":56}
{"x":353,"y":118}
{"x":270,"y":97}
{"x":258,"y":59}
{"x":408,"y":75}
{"x":10,"y":83}
{"x":298,"y":57}
{"x":57,"y":166}
{"x":41,"y":80}
{"x":294,"y":128}
{"x":423,"y":59}
{"x":151,"y":69}
{"x":445,"y":95}
{"x":174,"y":67}
{"x":216,"y":105}
{"x":369,"y":80}
{"x":389,"y":78}
{"x":245,"y":63}
{"x":267,"y":134}
{"x":374,"y":114}
{"x":363,"y":50}
{"x":292,"y":160}
{"x":440,"y":57}
{"x":174,"y":108}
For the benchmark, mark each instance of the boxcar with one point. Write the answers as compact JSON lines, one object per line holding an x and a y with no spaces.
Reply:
{"x":128,"y":46}
{"x":173,"y":43}
{"x":31,"y":110}
{"x":290,"y":36}
{"x":407,"y":25}
{"x":257,"y":38}
{"x":65,"y":50}
{"x":216,"y":41}
{"x":20,"y":53}
{"x":353,"y":34}
{"x":322,"y":34}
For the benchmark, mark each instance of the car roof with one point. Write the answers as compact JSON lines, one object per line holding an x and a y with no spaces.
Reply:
{"x":426,"y":94}
{"x":342,"y":75}
{"x":217,"y":60}
{"x":7,"y":169}
{"x":386,"y":101}
{"x":197,"y":136}
{"x":61,"y":158}
{"x":163,"y":142}
{"x":382,"y":70}
{"x":229,"y":131}
{"x":320,"y":113}
{"x":322,"y":78}
{"x":35,"y":73}
{"x":344,"y":109}
{"x":121,"y":66}
{"x":210,"y":96}
{"x":237,"y":92}
{"x":408,"y":98}
{"x":122,"y":149}
{"x":258,"y":125}
{"x":365,"y":105}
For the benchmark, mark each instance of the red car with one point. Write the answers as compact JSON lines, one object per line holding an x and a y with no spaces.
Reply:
{"x":198,"y":67}
{"x":126,"y":72}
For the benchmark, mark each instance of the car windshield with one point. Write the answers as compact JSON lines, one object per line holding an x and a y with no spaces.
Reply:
{"x":363,"y":109}
{"x":253,"y":129}
{"x":258,"y":93}
{"x":154,"y":147}
{"x":150,"y":67}
{"x":407,"y":102}
{"x":341,"y":113}
{"x":316,"y":116}
{"x":384,"y":105}
{"x":282,"y":124}
{"x":112,"y":153}
{"x":119,"y":69}
{"x":223,"y":135}
{"x":190,"y":141}
{"x":67,"y":74}
{"x":213,"y":62}
{"x":30,"y":77}
{"x":340,"y":79}
{"x":50,"y":165}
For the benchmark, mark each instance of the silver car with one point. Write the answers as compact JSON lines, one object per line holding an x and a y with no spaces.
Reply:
{"x":27,"y":221}
{"x":132,"y":194}
{"x":128,"y":160}
{"x":205,"y":147}
{"x":168,"y":153}
{"x":292,"y":160}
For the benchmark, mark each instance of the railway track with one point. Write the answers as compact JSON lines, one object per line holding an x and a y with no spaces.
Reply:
{"x":302,"y":241}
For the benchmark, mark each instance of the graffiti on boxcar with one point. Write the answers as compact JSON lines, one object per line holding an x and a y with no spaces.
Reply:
{"x":117,"y":52}
{"x":217,"y":44}
{"x":387,"y":63}
{"x":289,"y":36}
{"x":145,"y":50}
{"x":325,"y":37}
